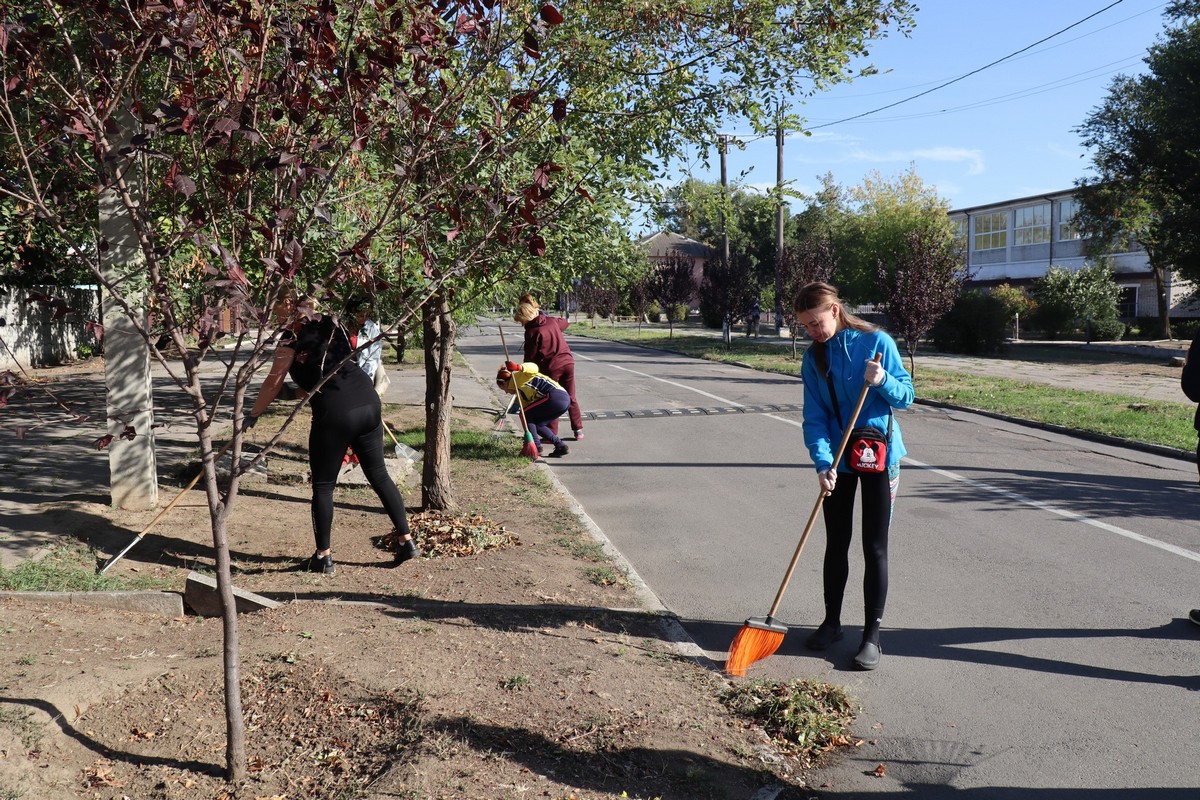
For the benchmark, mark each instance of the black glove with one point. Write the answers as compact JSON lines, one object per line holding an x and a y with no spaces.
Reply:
{"x":248,"y":422}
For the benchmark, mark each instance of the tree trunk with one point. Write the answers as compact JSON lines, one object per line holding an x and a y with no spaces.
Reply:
{"x":1164,"y":305}
{"x":219,"y":511}
{"x":235,"y":729}
{"x":438,"y":329}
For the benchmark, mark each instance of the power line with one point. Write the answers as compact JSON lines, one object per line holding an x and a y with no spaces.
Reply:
{"x":1021,"y":94}
{"x":972,"y":72}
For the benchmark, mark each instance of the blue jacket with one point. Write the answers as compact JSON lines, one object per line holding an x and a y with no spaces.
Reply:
{"x":848,"y":352}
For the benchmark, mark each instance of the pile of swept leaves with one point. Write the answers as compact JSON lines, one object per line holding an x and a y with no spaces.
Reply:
{"x":442,"y":535}
{"x":805,"y":718}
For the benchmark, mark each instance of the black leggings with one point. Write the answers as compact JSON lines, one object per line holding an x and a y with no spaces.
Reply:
{"x":360,"y":429}
{"x":839,"y":529}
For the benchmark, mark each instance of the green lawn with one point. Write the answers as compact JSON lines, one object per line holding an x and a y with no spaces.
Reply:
{"x":1125,"y":417}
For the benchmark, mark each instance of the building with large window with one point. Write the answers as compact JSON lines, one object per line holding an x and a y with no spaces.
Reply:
{"x":1016,"y":241}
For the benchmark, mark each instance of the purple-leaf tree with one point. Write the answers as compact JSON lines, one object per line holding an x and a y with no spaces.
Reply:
{"x":812,"y":260}
{"x":673,"y":283}
{"x":921,"y":286}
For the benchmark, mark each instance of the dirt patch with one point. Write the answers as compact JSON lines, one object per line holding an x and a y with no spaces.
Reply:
{"x":525,"y":668}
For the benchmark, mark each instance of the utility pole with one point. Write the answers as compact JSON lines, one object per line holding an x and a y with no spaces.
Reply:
{"x":779,"y":225}
{"x":133,"y":476}
{"x":723,"y":147}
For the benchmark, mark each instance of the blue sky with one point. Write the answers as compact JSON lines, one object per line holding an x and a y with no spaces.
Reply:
{"x":1003,"y":133}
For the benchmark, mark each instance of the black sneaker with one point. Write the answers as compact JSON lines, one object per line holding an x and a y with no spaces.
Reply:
{"x":560,"y":450}
{"x":1194,"y":616}
{"x":406,"y":551}
{"x":825,"y":634}
{"x":868,"y":656}
{"x":322,"y":564}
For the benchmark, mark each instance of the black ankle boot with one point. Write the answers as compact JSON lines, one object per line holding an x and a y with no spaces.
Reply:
{"x":322,"y":564}
{"x":826,"y":634}
{"x":406,"y":551}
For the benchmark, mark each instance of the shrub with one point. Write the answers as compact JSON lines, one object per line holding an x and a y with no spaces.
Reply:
{"x":977,"y":324}
{"x":710,"y":315}
{"x":679,"y":312}
{"x":1107,"y":330}
{"x":1185,"y":328}
{"x":653,"y":310}
{"x":1015,"y":300}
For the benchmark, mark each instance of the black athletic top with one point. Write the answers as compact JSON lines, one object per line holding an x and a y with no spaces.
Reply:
{"x":320,"y":345}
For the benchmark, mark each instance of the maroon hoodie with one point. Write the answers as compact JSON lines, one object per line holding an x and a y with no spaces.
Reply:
{"x":545,"y":344}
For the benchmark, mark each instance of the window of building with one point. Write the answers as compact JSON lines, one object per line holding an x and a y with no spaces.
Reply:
{"x":1127,"y":302}
{"x":1032,"y":224}
{"x":960,"y":231}
{"x":1066,"y":220}
{"x":991,"y":230}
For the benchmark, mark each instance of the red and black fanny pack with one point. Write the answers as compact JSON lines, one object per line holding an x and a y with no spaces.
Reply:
{"x":866,"y":451}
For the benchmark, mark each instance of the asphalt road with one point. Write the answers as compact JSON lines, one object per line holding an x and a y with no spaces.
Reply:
{"x":1036,"y":642}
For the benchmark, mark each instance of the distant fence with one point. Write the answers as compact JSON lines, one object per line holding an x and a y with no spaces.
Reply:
{"x":31,"y":335}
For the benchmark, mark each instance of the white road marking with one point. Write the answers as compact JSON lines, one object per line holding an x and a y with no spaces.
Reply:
{"x":1029,"y":501}
{"x":1062,"y":512}
{"x":679,"y":386}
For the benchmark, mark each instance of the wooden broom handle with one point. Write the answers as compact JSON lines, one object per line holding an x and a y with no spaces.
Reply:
{"x":516,"y":389}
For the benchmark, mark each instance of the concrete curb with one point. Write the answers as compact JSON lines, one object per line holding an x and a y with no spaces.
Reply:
{"x":162,"y":604}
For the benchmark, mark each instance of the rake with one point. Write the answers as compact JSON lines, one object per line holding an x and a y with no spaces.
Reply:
{"x":161,"y":514}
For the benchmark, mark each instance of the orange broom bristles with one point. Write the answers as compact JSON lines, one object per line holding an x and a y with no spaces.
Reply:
{"x":759,"y":638}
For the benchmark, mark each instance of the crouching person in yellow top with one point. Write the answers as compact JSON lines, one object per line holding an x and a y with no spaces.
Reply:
{"x":542,"y":399}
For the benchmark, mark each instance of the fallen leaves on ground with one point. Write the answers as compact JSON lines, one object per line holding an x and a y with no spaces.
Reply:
{"x":443,"y":535}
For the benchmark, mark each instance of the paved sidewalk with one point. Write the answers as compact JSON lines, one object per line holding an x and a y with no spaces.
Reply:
{"x":50,"y":468}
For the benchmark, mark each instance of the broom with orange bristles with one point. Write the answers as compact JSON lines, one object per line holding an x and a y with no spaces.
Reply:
{"x":528,"y":449}
{"x":760,"y":637}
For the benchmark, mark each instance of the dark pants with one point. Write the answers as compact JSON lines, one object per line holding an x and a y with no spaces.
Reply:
{"x":361,"y":430}
{"x":564,"y":376}
{"x":839,"y":529}
{"x":540,"y":413}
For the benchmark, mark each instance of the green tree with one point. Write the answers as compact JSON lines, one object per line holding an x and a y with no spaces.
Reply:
{"x":704,"y":211}
{"x":883,"y":213}
{"x":1145,"y":143}
{"x":1067,"y":300}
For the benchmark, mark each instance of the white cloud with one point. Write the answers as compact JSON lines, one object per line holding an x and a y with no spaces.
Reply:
{"x":949,"y":155}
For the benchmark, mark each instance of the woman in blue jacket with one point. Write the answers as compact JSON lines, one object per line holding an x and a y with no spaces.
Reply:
{"x":834,"y":369}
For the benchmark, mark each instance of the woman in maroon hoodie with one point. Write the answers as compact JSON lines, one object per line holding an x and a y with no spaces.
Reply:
{"x":546,"y":346}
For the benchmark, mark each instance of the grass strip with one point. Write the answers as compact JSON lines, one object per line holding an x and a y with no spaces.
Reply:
{"x":1135,"y":419}
{"x":71,"y":567}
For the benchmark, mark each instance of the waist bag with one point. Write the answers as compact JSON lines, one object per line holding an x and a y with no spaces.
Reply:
{"x":866,"y":451}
